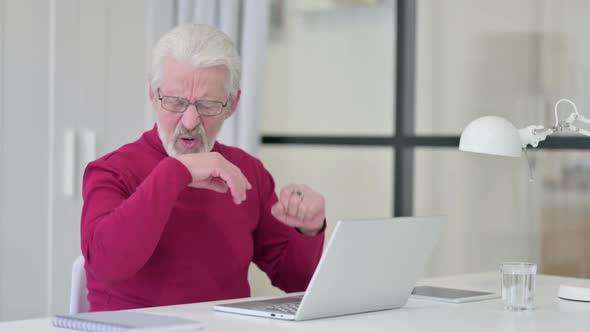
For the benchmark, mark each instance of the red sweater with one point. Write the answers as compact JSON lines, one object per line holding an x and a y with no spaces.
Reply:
{"x":150,"y":240}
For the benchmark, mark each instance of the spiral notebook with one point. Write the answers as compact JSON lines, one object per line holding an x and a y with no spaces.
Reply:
{"x":124,"y":321}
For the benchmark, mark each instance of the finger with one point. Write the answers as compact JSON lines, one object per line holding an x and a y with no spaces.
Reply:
{"x":239,"y":173}
{"x":235,"y":190}
{"x":293,"y":205}
{"x":277,"y":210}
{"x":234,"y":174}
{"x":218,"y":185}
{"x":241,"y":180}
{"x":233,"y":177}
{"x":302,"y":211}
{"x":286,"y":195}
{"x":315,"y":211}
{"x":290,"y":221}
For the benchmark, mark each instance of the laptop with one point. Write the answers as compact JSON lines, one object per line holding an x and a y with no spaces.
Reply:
{"x":368,"y":265}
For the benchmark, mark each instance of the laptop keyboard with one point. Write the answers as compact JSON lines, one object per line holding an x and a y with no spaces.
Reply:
{"x":286,"y":308}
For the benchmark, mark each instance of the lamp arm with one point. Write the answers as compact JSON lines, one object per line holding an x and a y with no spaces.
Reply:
{"x":569,"y":124}
{"x":532,"y":135}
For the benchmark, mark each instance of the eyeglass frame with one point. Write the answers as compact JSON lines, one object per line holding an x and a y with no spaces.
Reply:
{"x":189,"y":103}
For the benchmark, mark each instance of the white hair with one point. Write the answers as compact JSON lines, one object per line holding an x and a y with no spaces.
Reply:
{"x":203,"y":46}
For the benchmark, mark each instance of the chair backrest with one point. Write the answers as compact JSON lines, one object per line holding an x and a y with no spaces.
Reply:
{"x":78,"y":301}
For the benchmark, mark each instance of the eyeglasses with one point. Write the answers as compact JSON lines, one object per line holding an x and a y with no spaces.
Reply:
{"x":204,"y":107}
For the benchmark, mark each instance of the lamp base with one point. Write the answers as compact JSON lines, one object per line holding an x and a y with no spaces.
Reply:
{"x":573,"y":293}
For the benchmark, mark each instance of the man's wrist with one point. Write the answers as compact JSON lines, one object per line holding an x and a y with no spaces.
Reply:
{"x":308,"y":233}
{"x":312,"y":232}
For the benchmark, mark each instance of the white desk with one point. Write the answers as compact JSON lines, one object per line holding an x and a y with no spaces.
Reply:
{"x":550,"y":314}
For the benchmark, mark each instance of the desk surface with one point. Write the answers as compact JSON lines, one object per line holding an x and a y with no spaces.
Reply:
{"x":550,"y":313}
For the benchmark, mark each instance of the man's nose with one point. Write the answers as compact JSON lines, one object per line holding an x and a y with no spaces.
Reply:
{"x":190,"y":117}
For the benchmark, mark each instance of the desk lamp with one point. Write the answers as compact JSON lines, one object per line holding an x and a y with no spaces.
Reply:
{"x":497,"y":136}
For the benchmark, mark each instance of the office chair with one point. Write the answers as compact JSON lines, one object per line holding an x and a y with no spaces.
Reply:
{"x":78,"y":301}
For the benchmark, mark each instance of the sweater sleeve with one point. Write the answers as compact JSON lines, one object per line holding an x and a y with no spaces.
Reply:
{"x":121,"y":225}
{"x":288,"y":257}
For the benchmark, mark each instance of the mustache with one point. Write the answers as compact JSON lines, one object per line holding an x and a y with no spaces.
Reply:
{"x":197,"y":131}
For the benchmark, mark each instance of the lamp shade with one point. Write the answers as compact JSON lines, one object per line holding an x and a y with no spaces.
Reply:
{"x":491,"y":135}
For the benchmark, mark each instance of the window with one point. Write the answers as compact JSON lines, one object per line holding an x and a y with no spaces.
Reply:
{"x":420,"y":71}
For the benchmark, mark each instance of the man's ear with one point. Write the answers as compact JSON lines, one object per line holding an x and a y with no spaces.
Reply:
{"x":152,"y":97}
{"x":234,"y":105}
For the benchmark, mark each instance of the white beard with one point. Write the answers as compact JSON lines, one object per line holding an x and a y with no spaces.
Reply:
{"x":170,"y":146}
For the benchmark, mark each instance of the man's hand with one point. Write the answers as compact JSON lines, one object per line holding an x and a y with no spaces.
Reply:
{"x":212,"y":171}
{"x":301,"y":207}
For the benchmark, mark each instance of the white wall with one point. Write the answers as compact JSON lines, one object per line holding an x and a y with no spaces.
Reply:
{"x":73,"y":65}
{"x":23,"y":237}
{"x":2,"y":230}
